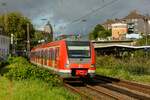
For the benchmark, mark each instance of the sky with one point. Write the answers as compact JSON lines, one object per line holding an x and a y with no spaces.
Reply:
{"x":74,"y":16}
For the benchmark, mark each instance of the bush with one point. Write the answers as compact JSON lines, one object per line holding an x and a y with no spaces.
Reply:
{"x":20,"y":69}
{"x":2,"y":64}
{"x":108,"y":62}
{"x":138,"y":65}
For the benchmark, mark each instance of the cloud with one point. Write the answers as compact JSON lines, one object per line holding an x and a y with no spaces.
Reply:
{"x":62,"y":13}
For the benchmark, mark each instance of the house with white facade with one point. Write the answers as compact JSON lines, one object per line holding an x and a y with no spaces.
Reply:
{"x":4,"y":45}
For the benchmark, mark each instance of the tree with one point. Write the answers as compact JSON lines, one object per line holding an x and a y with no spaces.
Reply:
{"x":16,"y":24}
{"x":104,"y":34}
{"x":99,"y":32}
{"x":38,"y":35}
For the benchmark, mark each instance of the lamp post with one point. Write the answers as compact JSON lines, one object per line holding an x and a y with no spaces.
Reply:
{"x":28,"y":40}
{"x":145,"y":27}
{"x":5,"y":16}
{"x":146,"y":24}
{"x":84,"y":21}
{"x":84,"y":25}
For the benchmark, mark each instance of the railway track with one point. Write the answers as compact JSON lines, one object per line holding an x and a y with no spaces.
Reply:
{"x":132,"y":86}
{"x":110,"y":88}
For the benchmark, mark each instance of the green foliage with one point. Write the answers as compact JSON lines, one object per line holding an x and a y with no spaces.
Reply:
{"x":99,"y":32}
{"x":33,"y":90}
{"x":41,"y":36}
{"x":137,"y":65}
{"x":143,"y":41}
{"x":20,"y":69}
{"x":15,"y":23}
{"x":3,"y":64}
{"x":38,"y":36}
{"x":135,"y":68}
{"x":108,"y":62}
{"x":24,"y":81}
{"x":104,"y":34}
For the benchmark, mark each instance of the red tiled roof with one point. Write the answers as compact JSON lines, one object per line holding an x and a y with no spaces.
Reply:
{"x":134,"y":14}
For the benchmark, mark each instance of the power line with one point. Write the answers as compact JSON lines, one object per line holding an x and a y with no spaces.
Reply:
{"x":93,"y":11}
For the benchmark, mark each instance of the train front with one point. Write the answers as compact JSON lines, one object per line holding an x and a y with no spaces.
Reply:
{"x":81,"y":58}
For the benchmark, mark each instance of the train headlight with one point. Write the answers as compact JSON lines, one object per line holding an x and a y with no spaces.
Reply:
{"x":67,"y":65}
{"x":92,"y":65}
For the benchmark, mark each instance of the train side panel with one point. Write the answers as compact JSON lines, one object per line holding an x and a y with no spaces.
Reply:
{"x":56,"y":57}
{"x":63,"y":70}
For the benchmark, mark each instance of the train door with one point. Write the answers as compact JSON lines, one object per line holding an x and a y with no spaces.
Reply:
{"x":50,"y":57}
{"x":42,"y":57}
{"x":53,"y":57}
{"x":39,"y":56}
{"x":57,"y":57}
{"x":45,"y":57}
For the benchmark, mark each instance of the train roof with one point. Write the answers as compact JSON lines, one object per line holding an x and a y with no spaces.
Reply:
{"x":53,"y":43}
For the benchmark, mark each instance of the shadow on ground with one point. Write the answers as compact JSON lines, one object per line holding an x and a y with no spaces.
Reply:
{"x":3,"y":68}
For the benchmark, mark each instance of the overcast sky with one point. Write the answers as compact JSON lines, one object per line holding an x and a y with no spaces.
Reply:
{"x":74,"y":16}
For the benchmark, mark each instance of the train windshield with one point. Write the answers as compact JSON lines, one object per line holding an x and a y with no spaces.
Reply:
{"x":78,"y":49}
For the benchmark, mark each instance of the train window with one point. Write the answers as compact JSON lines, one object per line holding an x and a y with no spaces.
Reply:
{"x":41,"y":54}
{"x":50,"y":54}
{"x":57,"y":50}
{"x":53,"y":54}
{"x":78,"y":50}
{"x":46,"y":55}
{"x":37,"y":53}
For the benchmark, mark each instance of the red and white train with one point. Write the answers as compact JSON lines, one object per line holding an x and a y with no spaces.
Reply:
{"x":66,"y":58}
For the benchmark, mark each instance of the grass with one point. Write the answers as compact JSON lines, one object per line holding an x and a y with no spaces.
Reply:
{"x":20,"y":80}
{"x":135,"y":69}
{"x":33,"y":90}
{"x":122,"y":74}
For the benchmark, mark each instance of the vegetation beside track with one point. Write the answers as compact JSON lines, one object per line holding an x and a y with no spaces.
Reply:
{"x":130,"y":68}
{"x":22,"y":80}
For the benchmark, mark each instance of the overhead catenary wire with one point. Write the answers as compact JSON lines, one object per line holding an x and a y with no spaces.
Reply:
{"x":93,"y":11}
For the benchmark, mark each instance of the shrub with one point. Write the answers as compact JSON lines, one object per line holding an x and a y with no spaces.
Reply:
{"x":2,"y":64}
{"x":138,"y":65}
{"x":20,"y":69}
{"x":108,"y":62}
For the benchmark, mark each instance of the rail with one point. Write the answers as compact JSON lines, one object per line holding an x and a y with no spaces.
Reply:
{"x":103,"y":87}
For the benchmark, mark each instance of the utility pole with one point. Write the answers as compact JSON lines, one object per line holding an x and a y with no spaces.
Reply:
{"x":146,"y":28}
{"x":28,"y":40}
{"x":5,"y":15}
{"x":146,"y":31}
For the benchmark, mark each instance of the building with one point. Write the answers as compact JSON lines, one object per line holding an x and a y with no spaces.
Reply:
{"x":108,"y":23}
{"x":136,"y":23}
{"x":48,"y":30}
{"x":119,"y":30}
{"x":4,"y":45}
